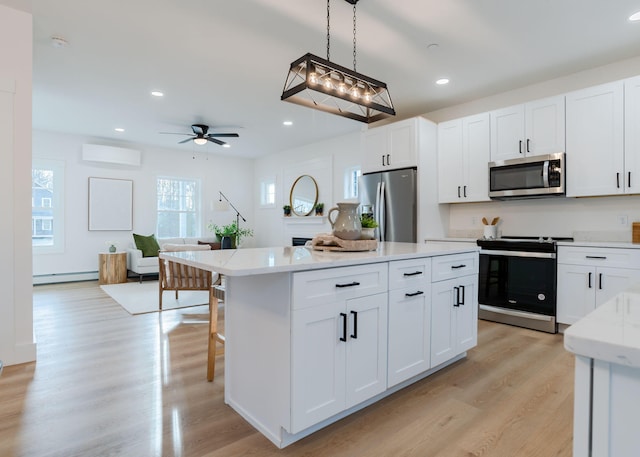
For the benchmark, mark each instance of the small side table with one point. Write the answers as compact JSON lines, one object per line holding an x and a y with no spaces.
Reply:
{"x":112,"y":267}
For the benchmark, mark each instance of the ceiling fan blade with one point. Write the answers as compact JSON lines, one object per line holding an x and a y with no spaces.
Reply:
{"x":200,"y":129}
{"x":173,"y":133}
{"x":186,"y":141}
{"x":224,"y":135}
{"x":213,"y":140}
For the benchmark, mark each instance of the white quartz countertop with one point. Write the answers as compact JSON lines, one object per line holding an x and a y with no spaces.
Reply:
{"x":253,"y":261}
{"x":611,"y":332}
{"x":600,"y":244}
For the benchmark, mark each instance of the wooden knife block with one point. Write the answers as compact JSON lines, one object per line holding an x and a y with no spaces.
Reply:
{"x":635,"y":232}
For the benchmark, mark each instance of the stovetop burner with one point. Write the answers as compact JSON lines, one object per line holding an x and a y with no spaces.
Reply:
{"x":522,"y":243}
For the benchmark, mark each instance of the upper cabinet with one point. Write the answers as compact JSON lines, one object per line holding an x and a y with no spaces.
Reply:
{"x":391,"y":146}
{"x":463,"y":155}
{"x":632,"y":135}
{"x":595,"y":145}
{"x":526,"y":130}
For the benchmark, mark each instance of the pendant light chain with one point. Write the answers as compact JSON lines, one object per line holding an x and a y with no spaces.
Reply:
{"x":354,"y":37}
{"x":328,"y":35}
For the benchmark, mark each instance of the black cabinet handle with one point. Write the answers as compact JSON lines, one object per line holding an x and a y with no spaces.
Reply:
{"x":589,"y":280}
{"x":415,"y":273}
{"x":461,"y":301}
{"x":629,"y":180}
{"x":528,"y":141}
{"x":618,"y":180}
{"x":458,"y":191}
{"x":388,"y":159}
{"x":600,"y":281}
{"x":414,"y":294}
{"x":457,"y":291}
{"x":344,"y":327}
{"x":600,"y":257}
{"x":383,"y":160}
{"x":351,"y":284}
{"x":455,"y":267}
{"x":520,"y":146}
{"x":465,"y":191}
{"x":354,"y":335}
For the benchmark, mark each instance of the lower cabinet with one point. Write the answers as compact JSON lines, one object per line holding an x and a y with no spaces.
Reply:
{"x":339,"y":357}
{"x":454,"y":317}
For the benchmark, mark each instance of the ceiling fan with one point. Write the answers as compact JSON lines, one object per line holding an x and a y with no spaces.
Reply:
{"x":201,"y":135}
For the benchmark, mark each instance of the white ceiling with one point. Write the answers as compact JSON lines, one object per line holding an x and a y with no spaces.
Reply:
{"x":224,"y":63}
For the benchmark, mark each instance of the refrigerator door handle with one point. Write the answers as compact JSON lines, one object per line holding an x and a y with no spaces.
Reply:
{"x":381,"y":212}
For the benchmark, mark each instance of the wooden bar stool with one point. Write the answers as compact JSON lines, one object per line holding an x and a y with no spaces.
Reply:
{"x":216,"y":293}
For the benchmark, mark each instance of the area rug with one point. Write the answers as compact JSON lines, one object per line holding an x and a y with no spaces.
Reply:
{"x":139,"y":298}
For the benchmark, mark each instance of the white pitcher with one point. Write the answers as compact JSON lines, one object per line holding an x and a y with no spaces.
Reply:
{"x":347,"y":224}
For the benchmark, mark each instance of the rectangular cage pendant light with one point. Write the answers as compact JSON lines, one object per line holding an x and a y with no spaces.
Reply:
{"x":320,"y":84}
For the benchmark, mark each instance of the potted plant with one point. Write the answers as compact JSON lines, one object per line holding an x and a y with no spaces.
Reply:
{"x":319,"y":209}
{"x":230,"y":230}
{"x":287,"y":210}
{"x":369,"y":225}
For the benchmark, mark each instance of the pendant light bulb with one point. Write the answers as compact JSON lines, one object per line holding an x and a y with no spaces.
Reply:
{"x":200,"y":141}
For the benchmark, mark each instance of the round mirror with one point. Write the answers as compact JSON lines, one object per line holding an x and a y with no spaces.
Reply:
{"x":303,"y":196}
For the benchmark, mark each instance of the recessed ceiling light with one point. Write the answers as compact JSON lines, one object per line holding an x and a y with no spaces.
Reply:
{"x":635,"y":17}
{"x":287,"y":123}
{"x":442,"y":81}
{"x":226,"y":145}
{"x":157,"y":93}
{"x":119,"y":129}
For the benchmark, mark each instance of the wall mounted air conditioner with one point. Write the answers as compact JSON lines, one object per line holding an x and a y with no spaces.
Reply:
{"x":111,"y":154}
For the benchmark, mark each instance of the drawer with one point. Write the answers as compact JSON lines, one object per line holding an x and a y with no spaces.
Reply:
{"x":453,"y":266}
{"x":409,"y":273}
{"x":599,"y":257}
{"x":318,"y":287}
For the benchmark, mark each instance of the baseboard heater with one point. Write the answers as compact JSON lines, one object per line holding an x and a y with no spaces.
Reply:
{"x":54,"y":278}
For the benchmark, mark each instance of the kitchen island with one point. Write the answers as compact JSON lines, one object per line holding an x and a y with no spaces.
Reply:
{"x":313,"y":336}
{"x":607,"y":377}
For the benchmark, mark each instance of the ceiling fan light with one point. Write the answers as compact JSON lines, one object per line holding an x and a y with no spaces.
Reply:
{"x":200,"y":141}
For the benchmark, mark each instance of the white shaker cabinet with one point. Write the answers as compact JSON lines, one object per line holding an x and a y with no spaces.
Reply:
{"x":534,"y":128}
{"x":463,"y":155}
{"x":339,"y":341}
{"x":595,"y":146}
{"x":454,"y":306}
{"x":391,"y":146}
{"x":409,"y":352}
{"x":632,"y":135}
{"x":588,"y":277}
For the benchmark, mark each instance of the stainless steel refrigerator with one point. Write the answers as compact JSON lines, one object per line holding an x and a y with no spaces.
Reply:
{"x":390,"y":196}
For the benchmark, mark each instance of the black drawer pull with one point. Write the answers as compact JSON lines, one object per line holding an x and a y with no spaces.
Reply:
{"x":455,"y":267}
{"x":351,"y":284}
{"x":413,"y":274}
{"x":601,"y":257}
{"x":414,"y":294}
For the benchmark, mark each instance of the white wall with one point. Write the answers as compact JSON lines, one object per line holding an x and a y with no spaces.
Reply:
{"x":17,"y":344}
{"x":234,"y":177}
{"x":586,"y":218}
{"x":326,"y":161}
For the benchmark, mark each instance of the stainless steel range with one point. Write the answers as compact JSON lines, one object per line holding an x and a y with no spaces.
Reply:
{"x":517,"y":282}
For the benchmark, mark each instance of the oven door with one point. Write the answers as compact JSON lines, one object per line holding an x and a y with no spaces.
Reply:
{"x":520,"y":281}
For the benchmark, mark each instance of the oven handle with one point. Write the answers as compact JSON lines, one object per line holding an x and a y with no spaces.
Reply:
{"x":538,"y":317}
{"x":538,"y":255}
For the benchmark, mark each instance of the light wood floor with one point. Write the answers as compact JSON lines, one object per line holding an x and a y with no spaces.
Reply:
{"x":110,"y":384}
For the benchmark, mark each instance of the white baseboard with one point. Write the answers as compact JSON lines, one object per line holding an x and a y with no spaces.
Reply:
{"x":65,"y":277}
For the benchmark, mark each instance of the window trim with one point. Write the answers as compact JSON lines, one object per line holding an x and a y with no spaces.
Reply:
{"x":197,"y":205}
{"x":57,"y":205}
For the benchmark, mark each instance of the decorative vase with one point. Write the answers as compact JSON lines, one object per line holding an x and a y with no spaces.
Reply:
{"x":347,"y":224}
{"x":112,"y":248}
{"x":368,"y":233}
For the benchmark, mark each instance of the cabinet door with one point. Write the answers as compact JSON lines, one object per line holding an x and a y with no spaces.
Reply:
{"x":576,"y":292}
{"x":442,"y":321}
{"x":507,"y":133}
{"x":409,"y":333}
{"x":374,"y":145}
{"x":317,"y":365}
{"x":366,"y":346}
{"x":611,"y":281}
{"x":477,"y":153}
{"x":544,"y":126}
{"x":595,"y":141}
{"x":402,"y":144}
{"x":466,"y":325}
{"x":632,"y":135}
{"x":450,"y":162}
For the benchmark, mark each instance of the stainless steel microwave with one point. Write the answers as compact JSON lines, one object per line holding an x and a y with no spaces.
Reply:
{"x":528,"y":177}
